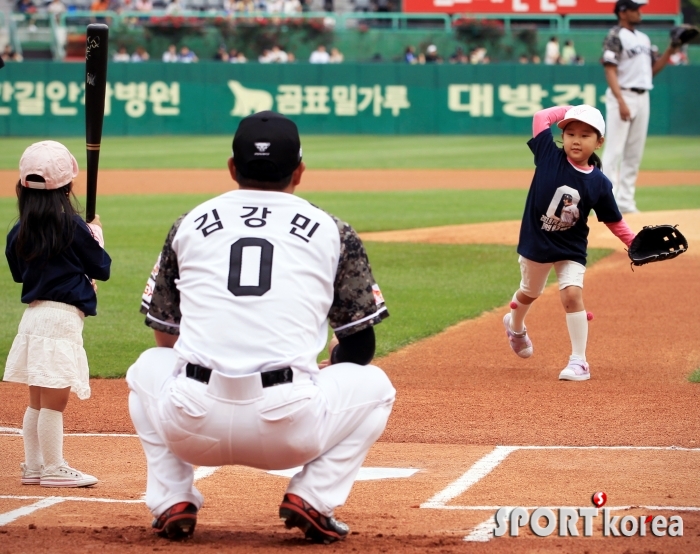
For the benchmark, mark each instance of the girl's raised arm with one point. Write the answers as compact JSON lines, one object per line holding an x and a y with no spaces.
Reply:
{"x":544,"y":119}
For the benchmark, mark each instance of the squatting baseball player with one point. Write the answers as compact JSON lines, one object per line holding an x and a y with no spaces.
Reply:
{"x":629,"y":65}
{"x":239,"y":303}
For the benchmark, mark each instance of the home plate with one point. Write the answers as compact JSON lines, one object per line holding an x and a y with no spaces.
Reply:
{"x":366,"y":473}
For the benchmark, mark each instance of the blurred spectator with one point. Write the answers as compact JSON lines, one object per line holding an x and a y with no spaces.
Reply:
{"x":122,"y":55}
{"x":409,"y":55}
{"x":421,"y":59}
{"x":9,"y":55}
{"x":551,"y":52}
{"x":383,"y":6}
{"x":536,"y":59}
{"x":264,"y":57}
{"x":56,"y":7}
{"x":234,"y":56}
{"x":292,"y":6}
{"x":478,"y":55}
{"x":431,"y":55}
{"x":170,"y":55}
{"x":336,"y":56}
{"x":221,"y":54}
{"x":277,"y":55}
{"x":568,"y":53}
{"x":186,"y":55}
{"x":25,"y":6}
{"x":143,"y":5}
{"x":275,"y":6}
{"x":458,"y":56}
{"x":362,"y":6}
{"x":117,"y":5}
{"x":291,"y":58}
{"x":523,"y":59}
{"x":174,"y":7}
{"x":99,"y":6}
{"x":140,"y":55}
{"x":319,"y":55}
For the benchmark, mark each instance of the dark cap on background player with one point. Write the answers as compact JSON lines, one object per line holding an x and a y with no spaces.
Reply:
{"x":624,"y":5}
{"x":266,"y":147}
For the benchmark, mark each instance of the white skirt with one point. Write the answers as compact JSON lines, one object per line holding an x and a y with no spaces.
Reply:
{"x":48,"y":349}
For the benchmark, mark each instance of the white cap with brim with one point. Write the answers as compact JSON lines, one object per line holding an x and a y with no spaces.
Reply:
{"x":50,"y":160}
{"x":586,"y":114}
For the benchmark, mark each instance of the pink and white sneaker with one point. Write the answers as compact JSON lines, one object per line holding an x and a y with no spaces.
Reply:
{"x":520,"y":343}
{"x":577,"y":370}
{"x":30,"y":476}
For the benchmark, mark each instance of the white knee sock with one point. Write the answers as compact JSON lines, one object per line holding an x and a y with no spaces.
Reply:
{"x":32,"y":449}
{"x":50,"y":428}
{"x":517,"y":315}
{"x":578,"y":333}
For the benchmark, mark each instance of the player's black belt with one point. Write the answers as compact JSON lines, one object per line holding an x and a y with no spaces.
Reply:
{"x":269,"y":378}
{"x":637,"y":90}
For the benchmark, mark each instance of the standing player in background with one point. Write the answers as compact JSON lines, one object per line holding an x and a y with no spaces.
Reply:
{"x":242,"y":296}
{"x":629,"y":65}
{"x":567,"y":185}
{"x":56,"y":256}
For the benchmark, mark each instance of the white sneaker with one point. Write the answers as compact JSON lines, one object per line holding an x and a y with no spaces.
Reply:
{"x":577,"y":370}
{"x":520,"y":343}
{"x":30,"y":476}
{"x":66,"y":476}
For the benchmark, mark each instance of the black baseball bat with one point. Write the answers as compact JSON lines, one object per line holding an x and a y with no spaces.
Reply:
{"x":95,"y":87}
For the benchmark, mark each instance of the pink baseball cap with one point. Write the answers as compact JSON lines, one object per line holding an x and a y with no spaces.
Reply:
{"x":50,"y":160}
{"x":587,"y":114}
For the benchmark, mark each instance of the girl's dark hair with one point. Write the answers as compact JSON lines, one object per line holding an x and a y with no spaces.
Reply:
{"x":45,"y":220}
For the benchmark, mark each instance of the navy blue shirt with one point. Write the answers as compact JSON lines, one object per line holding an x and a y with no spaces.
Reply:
{"x":555,"y":222}
{"x":64,"y":278}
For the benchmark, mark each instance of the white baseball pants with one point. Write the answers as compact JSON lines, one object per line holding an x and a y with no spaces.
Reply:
{"x":326,"y":422}
{"x":624,"y":145}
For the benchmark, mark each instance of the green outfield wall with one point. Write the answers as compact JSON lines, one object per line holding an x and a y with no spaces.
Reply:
{"x":47,"y":98}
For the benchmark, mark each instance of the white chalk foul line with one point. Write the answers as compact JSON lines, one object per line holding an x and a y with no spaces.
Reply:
{"x":484,"y":531}
{"x":9,"y":517}
{"x":474,"y":474}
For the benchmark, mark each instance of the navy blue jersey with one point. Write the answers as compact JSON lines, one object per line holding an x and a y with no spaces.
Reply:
{"x":555,"y":222}
{"x":64,"y":278}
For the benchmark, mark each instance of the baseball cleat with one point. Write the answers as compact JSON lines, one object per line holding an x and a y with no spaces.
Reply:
{"x":66,"y":476}
{"x":177,"y":522}
{"x":577,"y":370}
{"x":296,"y":512}
{"x":520,"y":343}
{"x":30,"y":476}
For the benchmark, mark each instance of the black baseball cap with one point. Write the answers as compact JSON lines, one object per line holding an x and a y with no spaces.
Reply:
{"x":266,"y":147}
{"x":624,"y":5}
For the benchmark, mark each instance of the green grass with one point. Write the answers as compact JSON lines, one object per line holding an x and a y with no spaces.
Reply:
{"x":695,"y":376}
{"x":346,"y":152}
{"x":427,"y":287}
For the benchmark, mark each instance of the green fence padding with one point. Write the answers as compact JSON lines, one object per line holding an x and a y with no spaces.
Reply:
{"x":45,"y":98}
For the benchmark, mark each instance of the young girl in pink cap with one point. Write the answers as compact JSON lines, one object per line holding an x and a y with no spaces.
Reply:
{"x":56,"y":256}
{"x":567,"y":185}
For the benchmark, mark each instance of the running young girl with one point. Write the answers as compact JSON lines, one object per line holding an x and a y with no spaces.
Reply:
{"x":567,"y":185}
{"x":56,"y":256}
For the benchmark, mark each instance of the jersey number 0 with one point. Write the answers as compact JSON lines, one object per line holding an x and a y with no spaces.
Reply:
{"x":239,"y":259}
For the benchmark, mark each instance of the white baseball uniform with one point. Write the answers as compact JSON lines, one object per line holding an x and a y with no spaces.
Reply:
{"x":624,"y":140}
{"x":250,"y":280}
